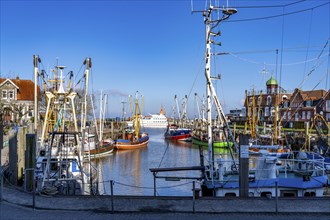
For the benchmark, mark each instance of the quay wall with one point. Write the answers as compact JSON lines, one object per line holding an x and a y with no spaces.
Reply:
{"x":168,"y":204}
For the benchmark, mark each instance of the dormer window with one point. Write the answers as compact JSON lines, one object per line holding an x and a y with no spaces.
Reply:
{"x":309,"y":103}
{"x":284,"y":97}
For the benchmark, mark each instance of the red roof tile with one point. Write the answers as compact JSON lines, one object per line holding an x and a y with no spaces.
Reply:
{"x":25,"y":88}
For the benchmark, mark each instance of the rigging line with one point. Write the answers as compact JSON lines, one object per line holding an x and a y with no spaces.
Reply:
{"x":310,"y":72}
{"x":76,"y":76}
{"x":321,"y":101}
{"x":269,"y":6}
{"x":281,"y":58}
{"x":274,"y":64}
{"x":195,"y":80}
{"x":308,"y":41}
{"x":275,"y":16}
{"x":299,"y":106}
{"x":326,"y":86}
{"x":327,"y":80}
{"x":288,"y":49}
{"x":161,"y":161}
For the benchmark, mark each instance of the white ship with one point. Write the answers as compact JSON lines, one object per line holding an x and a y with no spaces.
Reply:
{"x":153,"y":120}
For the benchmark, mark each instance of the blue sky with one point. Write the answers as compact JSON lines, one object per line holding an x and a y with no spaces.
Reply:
{"x":157,"y":47}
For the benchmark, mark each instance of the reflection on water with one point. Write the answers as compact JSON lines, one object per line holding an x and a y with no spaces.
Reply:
{"x":130,"y":169}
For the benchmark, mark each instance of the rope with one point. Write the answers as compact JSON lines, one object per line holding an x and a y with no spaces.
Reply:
{"x":147,"y":187}
{"x":276,"y":16}
{"x":163,"y":155}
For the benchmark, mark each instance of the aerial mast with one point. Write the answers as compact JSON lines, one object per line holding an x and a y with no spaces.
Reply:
{"x":88,"y":63}
{"x":36,"y":60}
{"x":210,"y":91}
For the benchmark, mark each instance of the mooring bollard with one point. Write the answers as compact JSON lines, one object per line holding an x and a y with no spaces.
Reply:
{"x":111,"y":190}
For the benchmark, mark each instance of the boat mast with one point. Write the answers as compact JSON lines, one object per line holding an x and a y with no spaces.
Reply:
{"x":178,"y":109}
{"x":184,"y":111}
{"x":137,"y":115}
{"x":36,"y":60}
{"x":88,"y":64}
{"x":100,"y":117}
{"x":210,"y":91}
{"x":207,"y":21}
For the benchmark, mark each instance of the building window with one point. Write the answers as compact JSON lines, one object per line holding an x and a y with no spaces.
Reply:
{"x":327,"y":117}
{"x":284,"y":115}
{"x":266,"y":111}
{"x":309,"y":103}
{"x":308,"y":115}
{"x":259,"y":100}
{"x":285,"y":104}
{"x":289,"y":115}
{"x":4,"y":94}
{"x":303,"y":116}
{"x":11,"y":94}
{"x":272,"y":111}
{"x":269,"y":100}
{"x":296,"y":116}
{"x":327,"y":105}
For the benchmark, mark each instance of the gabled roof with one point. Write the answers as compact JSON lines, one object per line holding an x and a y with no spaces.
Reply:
{"x":7,"y":80}
{"x":313,"y":95}
{"x":25,"y":88}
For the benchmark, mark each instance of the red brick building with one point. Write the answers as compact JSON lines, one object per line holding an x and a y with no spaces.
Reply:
{"x":294,"y":109}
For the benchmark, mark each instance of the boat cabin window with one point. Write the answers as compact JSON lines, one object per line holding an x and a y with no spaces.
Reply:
{"x":266,"y":194}
{"x":309,"y":194}
{"x":53,"y":165}
{"x":289,"y":193}
{"x":230,"y":195}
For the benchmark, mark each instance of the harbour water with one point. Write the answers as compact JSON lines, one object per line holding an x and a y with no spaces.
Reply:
{"x":130,"y":169}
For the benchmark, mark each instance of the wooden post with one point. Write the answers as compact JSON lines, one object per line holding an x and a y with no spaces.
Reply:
{"x":30,"y":160}
{"x":13,"y":159}
{"x":21,"y":146}
{"x":194,"y":196}
{"x":154,"y":184}
{"x":276,"y":195}
{"x":244,"y":166}
{"x":111,"y":189}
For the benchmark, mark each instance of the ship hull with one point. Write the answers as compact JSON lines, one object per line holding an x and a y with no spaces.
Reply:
{"x":122,"y":144}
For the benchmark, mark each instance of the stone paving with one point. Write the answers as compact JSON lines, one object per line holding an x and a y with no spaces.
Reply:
{"x":17,"y":204}
{"x":14,"y":212}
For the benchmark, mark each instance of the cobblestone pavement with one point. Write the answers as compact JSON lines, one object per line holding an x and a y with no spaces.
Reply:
{"x":10,"y":211}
